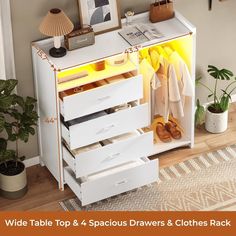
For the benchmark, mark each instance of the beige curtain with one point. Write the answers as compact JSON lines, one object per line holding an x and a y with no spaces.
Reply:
{"x":7,"y":64}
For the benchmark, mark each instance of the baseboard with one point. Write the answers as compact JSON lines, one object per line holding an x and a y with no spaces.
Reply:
{"x":31,"y":161}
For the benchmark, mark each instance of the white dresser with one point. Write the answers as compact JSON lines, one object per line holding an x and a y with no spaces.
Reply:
{"x":93,"y":139}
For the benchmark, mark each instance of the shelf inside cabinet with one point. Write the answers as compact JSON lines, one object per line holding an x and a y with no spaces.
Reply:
{"x":161,"y":147}
{"x":93,"y":75}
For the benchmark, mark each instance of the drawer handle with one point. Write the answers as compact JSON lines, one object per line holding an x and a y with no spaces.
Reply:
{"x":104,"y":130}
{"x":104,"y":98}
{"x":112,"y":157}
{"x":125,"y":181}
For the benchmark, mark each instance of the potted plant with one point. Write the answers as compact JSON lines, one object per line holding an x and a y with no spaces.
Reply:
{"x":216,"y":114}
{"x":17,"y":120}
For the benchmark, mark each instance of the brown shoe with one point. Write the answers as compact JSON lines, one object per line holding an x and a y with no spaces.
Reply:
{"x":162,"y":133}
{"x":172,"y":128}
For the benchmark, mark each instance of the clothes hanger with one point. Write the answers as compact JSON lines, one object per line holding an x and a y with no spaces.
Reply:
{"x":168,"y":50}
{"x":162,"y":52}
{"x":155,"y":59}
{"x":144,"y":54}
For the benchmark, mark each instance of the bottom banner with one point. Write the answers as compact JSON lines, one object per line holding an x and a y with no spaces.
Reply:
{"x":117,"y":223}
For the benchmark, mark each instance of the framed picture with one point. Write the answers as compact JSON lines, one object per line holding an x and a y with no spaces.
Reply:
{"x":102,"y":15}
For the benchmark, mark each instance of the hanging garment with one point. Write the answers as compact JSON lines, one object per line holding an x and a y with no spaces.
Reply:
{"x":167,"y":82}
{"x":168,"y":50}
{"x":185,"y":83}
{"x":150,"y":84}
{"x":155,"y":59}
{"x":167,"y":98}
{"x":161,"y":52}
{"x":175,"y":106}
{"x":144,"y":54}
{"x":162,"y":93}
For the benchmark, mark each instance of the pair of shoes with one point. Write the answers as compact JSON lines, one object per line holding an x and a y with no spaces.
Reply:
{"x":168,"y":131}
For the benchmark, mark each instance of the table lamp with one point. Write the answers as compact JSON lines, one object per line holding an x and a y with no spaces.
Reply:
{"x":56,"y":24}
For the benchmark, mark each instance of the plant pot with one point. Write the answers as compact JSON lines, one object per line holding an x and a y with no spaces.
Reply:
{"x":13,"y":181}
{"x":216,"y":122}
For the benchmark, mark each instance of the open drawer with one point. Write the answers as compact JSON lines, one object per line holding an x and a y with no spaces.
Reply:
{"x":121,"y":150}
{"x":105,"y":126}
{"x":102,"y":97}
{"x":112,"y":182}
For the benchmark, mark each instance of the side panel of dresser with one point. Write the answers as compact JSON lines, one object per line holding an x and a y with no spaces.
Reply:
{"x":49,"y":119}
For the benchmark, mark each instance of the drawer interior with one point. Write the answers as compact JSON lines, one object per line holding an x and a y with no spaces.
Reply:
{"x":100,"y":144}
{"x":110,"y":171}
{"x":96,"y":115}
{"x":108,"y":153}
{"x":103,"y":125}
{"x":95,"y":85}
{"x":115,"y":170}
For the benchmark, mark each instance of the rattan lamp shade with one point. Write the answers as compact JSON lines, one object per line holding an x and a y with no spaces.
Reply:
{"x":56,"y":24}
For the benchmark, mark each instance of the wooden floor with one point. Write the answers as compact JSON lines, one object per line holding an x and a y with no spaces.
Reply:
{"x":43,"y":194}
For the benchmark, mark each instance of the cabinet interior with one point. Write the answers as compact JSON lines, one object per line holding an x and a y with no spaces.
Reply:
{"x":184,"y":47}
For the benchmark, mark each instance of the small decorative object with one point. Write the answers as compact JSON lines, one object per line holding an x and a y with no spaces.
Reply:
{"x":56,"y":24}
{"x":216,"y":115}
{"x":80,"y":38}
{"x":161,"y":10}
{"x":98,"y":66}
{"x":118,"y":60}
{"x":17,"y":120}
{"x":129,"y":17}
{"x":102,"y":15}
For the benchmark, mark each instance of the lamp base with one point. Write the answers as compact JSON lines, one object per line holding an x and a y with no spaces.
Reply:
{"x":57,"y":52}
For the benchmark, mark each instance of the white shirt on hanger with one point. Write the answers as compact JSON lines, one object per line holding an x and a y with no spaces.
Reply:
{"x":183,"y":76}
{"x":150,"y":83}
{"x":169,"y":98}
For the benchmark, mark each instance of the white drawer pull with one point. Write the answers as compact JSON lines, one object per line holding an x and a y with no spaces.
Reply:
{"x":104,"y":98}
{"x":121,"y":182}
{"x":106,"y":129}
{"x":112,"y":157}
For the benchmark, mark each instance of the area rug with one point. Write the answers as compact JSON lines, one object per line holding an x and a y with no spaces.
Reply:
{"x":204,"y":183}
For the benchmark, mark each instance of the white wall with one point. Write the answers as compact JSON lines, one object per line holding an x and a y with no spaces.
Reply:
{"x":216,"y":36}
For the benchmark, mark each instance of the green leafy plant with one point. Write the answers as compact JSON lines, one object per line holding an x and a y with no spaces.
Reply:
{"x":221,"y":97}
{"x":17,"y":120}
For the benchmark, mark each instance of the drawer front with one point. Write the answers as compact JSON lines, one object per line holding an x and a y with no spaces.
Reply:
{"x":102,"y":98}
{"x":113,"y":184}
{"x":106,"y":126}
{"x":110,"y":155}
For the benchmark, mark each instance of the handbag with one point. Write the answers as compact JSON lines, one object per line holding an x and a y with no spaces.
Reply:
{"x":161,"y":10}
